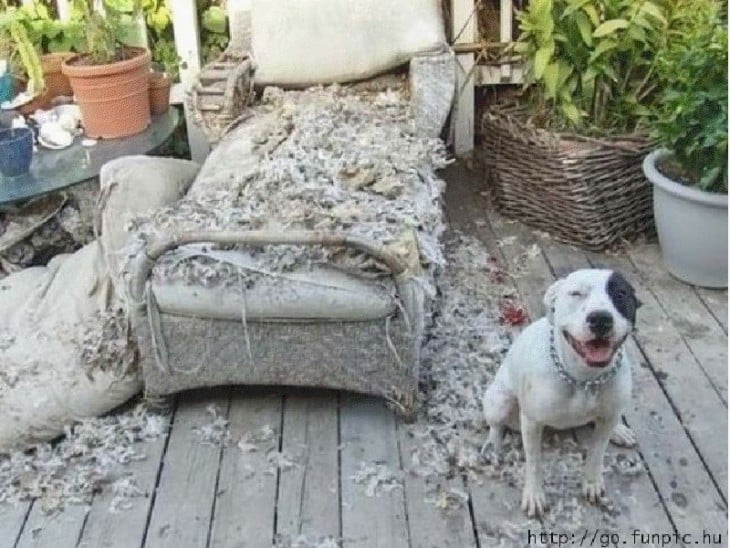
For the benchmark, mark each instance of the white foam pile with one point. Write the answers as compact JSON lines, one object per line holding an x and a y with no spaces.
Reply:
{"x":304,"y":541}
{"x":463,"y":349}
{"x":89,"y":459}
{"x":377,"y":478}
{"x":334,"y":159}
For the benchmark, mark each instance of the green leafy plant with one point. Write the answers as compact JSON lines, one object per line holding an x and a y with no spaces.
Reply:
{"x":214,"y":35}
{"x":691,"y":116}
{"x":591,"y":62}
{"x":17,"y":47}
{"x":105,"y":33}
{"x":48,"y":34}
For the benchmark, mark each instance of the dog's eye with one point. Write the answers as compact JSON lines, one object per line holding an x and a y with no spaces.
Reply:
{"x":576,"y":294}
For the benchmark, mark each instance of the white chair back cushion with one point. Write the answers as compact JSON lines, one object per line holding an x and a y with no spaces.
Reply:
{"x":304,"y":42}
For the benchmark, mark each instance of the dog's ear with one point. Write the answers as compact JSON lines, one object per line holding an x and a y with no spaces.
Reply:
{"x":548,"y":300}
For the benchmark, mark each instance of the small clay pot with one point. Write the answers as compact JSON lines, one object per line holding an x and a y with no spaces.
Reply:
{"x":159,"y":93}
{"x":57,"y":84}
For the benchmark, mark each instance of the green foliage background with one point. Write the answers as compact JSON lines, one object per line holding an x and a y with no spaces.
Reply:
{"x":592,"y":62}
{"x":691,"y":116}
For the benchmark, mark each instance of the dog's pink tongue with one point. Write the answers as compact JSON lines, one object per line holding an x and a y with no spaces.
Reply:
{"x":597,"y":351}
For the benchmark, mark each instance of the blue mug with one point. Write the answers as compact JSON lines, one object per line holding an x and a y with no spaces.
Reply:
{"x":16,"y":151}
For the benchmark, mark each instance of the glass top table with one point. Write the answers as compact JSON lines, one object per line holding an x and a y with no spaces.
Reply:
{"x":52,"y":170}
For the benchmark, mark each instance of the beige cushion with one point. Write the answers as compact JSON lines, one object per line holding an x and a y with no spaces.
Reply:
{"x":318,"y":294}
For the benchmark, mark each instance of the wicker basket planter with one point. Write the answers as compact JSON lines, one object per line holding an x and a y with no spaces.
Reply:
{"x":583,"y":191}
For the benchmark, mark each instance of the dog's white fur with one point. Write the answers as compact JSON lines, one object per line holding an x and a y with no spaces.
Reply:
{"x":527,"y":393}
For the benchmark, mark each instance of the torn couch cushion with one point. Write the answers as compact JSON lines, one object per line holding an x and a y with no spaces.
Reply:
{"x":319,"y":293}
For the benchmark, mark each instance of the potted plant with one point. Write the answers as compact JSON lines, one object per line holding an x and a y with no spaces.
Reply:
{"x":689,"y":173}
{"x":55,"y":41}
{"x":567,"y":158}
{"x":110,"y":80}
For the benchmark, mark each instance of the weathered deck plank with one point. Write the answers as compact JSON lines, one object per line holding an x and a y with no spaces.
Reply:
{"x":309,"y":498}
{"x":699,"y":407}
{"x":716,"y":302}
{"x":675,"y":462}
{"x":431,"y":527}
{"x":245,"y":503}
{"x":368,"y":438}
{"x":12,"y":519}
{"x":683,"y":308}
{"x":126,"y":527}
{"x":58,"y":530}
{"x":182,"y":509}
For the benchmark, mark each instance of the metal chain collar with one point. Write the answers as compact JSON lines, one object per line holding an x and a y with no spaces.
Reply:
{"x":587,"y":385}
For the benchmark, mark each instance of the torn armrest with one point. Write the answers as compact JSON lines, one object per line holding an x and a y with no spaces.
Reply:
{"x":221,"y":92}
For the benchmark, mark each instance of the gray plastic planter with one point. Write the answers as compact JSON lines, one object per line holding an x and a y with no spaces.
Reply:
{"x":692,"y":228}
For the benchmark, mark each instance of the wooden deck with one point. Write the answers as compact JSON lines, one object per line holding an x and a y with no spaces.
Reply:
{"x":200,"y":495}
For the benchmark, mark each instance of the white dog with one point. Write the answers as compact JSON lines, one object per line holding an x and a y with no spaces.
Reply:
{"x":566,"y":370}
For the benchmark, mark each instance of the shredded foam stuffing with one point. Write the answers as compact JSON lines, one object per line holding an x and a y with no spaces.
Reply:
{"x":377,"y":479}
{"x":334,"y":160}
{"x":89,"y":459}
{"x":303,"y":541}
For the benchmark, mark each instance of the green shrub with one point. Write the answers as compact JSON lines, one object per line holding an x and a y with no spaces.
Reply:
{"x":48,"y":34}
{"x":592,"y":61}
{"x":691,"y":115}
{"x":17,"y":48}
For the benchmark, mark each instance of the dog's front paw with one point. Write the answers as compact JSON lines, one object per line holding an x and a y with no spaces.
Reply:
{"x":623,"y":436}
{"x":533,"y":501}
{"x":493,"y":444}
{"x":593,"y":489}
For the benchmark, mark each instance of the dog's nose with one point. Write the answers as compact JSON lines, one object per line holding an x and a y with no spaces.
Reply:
{"x":600,"y":322}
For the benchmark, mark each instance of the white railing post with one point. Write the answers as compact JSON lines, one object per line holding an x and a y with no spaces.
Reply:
{"x":505,"y":33}
{"x":464,"y":31}
{"x":187,"y":44}
{"x":64,"y":9}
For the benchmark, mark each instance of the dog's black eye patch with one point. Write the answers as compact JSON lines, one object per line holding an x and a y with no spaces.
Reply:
{"x":622,"y":296}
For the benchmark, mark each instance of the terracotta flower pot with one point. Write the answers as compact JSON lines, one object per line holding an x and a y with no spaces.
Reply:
{"x":159,"y":93}
{"x":114,"y":98}
{"x":57,"y":84}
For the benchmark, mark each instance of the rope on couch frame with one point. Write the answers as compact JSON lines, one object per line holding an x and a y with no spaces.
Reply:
{"x":244,"y":321}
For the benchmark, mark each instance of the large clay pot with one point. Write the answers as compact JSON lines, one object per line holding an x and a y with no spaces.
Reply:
{"x":114,"y":98}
